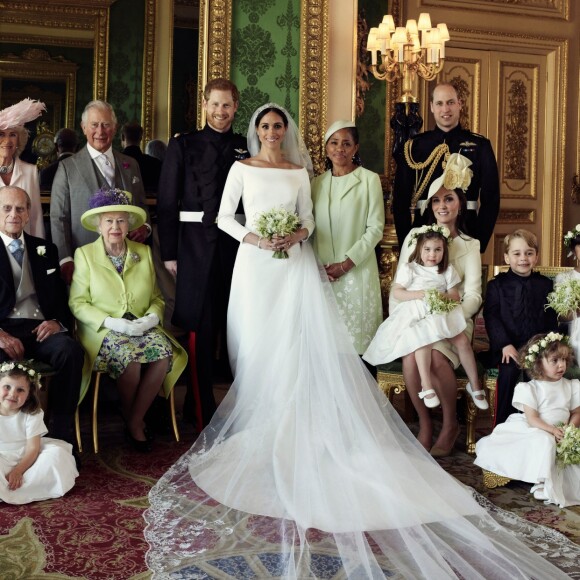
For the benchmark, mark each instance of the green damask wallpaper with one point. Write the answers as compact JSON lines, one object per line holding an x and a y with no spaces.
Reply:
{"x":371,"y":124}
{"x":265,"y":56}
{"x":126,"y":42}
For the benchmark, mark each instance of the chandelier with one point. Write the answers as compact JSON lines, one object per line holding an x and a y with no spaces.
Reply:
{"x":416,"y":49}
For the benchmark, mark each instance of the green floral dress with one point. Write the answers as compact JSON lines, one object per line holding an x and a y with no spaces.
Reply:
{"x":118,"y":350}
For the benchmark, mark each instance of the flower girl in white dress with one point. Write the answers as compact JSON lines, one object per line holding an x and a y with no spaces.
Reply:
{"x":32,"y":467}
{"x":524,"y":447}
{"x":425,"y":288}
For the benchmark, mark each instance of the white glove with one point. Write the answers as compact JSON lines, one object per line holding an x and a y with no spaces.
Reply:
{"x":147,"y":322}
{"x":123,"y":326}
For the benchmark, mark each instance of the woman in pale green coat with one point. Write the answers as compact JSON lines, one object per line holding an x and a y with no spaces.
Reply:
{"x":350,"y":218}
{"x":119,"y":308}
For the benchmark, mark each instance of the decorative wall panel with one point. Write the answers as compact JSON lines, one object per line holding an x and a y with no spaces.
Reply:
{"x":518,"y":129}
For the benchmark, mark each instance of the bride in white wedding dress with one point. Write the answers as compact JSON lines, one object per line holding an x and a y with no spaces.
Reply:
{"x":306,"y":471}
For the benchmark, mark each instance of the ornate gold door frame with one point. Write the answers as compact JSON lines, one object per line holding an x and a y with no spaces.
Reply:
{"x":215,"y":30}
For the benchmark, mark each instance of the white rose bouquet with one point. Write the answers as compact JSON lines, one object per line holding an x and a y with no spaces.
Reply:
{"x":277,"y":222}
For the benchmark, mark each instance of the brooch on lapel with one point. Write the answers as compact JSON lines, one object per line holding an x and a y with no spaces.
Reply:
{"x":126,"y":165}
{"x":240,"y":154}
{"x":41,"y":250}
{"x":134,"y":257}
{"x":135,"y":179}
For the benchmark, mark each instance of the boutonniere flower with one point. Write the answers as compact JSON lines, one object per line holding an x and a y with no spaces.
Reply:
{"x":126,"y":165}
{"x":41,"y":250}
{"x":134,"y":257}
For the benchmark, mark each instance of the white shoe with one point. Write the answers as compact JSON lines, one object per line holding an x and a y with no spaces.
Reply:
{"x":479,"y":403}
{"x":540,"y":495}
{"x":430,"y":402}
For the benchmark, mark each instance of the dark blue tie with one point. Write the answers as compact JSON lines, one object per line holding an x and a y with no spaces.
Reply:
{"x":17,"y":250}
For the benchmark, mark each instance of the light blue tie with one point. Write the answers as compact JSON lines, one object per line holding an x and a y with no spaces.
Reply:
{"x":17,"y":250}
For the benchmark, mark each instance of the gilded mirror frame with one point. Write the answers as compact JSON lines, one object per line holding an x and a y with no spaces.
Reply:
{"x":215,"y":33}
{"x":87,"y":26}
{"x":36,"y":65}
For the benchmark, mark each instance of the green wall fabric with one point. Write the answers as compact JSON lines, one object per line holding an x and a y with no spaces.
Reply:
{"x":265,"y":56}
{"x":126,"y":43}
{"x":372,"y":123}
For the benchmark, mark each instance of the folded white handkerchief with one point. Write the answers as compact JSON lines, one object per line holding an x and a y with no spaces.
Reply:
{"x":51,"y":271}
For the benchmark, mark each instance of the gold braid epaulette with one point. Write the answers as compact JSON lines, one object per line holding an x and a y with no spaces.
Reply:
{"x":431,"y":161}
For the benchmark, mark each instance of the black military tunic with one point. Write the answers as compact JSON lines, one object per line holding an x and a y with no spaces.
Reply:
{"x":484,"y":187}
{"x":192,"y":179}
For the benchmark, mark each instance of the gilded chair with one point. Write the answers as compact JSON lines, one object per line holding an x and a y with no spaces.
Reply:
{"x":390,"y":380}
{"x":95,"y":425}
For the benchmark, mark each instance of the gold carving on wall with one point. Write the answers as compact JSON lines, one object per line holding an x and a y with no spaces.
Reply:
{"x":530,"y":8}
{"x":517,"y":131}
{"x":215,"y":33}
{"x":516,"y":216}
{"x":147,"y":88}
{"x":314,"y":77}
{"x":362,"y":71}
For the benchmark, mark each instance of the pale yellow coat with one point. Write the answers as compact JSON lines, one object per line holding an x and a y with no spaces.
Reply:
{"x":97,"y":291}
{"x":350,"y":218}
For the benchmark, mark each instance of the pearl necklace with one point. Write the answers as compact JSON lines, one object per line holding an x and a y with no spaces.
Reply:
{"x":6,"y":168}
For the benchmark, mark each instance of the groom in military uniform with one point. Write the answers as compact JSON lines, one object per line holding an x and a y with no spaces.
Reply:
{"x":194,"y":250}
{"x":422,"y":162}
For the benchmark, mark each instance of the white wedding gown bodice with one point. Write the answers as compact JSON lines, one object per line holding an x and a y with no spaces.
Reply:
{"x":306,"y":467}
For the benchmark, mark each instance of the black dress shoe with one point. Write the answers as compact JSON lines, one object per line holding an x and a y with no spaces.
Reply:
{"x":138,"y":445}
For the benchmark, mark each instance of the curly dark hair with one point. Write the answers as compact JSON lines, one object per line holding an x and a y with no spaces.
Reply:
{"x":557,"y":347}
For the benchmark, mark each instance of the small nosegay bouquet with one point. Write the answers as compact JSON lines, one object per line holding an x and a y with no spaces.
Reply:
{"x":277,"y":221}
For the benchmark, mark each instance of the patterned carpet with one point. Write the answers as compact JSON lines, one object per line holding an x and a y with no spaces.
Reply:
{"x":96,"y":531}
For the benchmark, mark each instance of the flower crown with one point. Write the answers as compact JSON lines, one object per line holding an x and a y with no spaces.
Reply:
{"x":107,"y":196}
{"x":536,"y":349}
{"x":442,"y":230}
{"x":35,"y":376}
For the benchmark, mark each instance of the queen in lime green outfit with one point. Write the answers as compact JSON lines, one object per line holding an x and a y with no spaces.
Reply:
{"x":118,"y":307}
{"x":350,"y":218}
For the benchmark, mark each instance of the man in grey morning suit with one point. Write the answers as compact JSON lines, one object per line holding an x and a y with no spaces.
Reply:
{"x":96,"y":165}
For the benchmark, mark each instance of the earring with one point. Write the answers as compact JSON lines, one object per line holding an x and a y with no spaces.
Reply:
{"x":353,"y":159}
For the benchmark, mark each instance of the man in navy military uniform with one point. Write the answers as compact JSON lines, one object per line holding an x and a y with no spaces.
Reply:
{"x":422,"y":163}
{"x":193,"y":249}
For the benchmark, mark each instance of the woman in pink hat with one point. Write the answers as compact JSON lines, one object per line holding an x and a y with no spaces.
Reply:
{"x":14,"y":171}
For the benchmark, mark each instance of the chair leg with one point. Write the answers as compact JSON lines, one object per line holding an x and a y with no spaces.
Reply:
{"x":78,"y":430}
{"x":172,"y":411}
{"x":95,"y":414}
{"x":471,"y":419}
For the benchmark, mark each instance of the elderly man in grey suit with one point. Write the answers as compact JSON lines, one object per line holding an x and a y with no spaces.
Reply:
{"x":95,"y":166}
